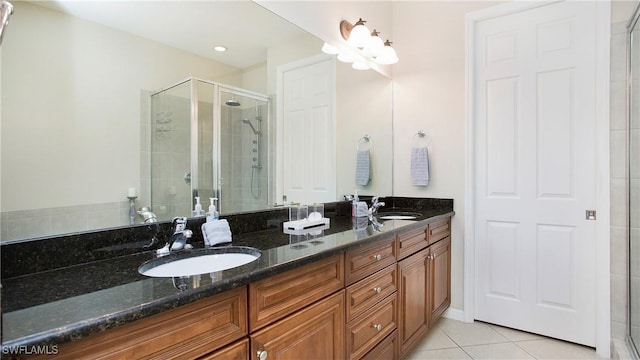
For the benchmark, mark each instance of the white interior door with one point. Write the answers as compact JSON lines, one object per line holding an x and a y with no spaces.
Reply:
{"x":534,"y":141}
{"x":308,"y":92}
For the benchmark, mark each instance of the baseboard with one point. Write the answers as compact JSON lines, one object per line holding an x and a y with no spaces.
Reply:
{"x":454,"y":314}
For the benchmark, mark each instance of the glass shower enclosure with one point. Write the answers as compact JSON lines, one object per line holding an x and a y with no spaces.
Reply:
{"x":211,"y":141}
{"x":633,"y":79}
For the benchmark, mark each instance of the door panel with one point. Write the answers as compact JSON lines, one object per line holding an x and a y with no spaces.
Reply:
{"x":535,"y":175}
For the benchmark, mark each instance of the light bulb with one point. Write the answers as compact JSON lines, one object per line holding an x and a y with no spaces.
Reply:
{"x":359,"y":36}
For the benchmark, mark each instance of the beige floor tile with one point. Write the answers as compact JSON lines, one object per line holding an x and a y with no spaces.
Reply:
{"x":515,"y":335}
{"x":556,"y":349}
{"x":466,"y":334}
{"x":440,"y":354}
{"x":508,"y":351}
{"x":436,"y":339}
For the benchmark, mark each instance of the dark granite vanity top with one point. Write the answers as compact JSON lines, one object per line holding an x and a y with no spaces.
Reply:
{"x":48,"y":304}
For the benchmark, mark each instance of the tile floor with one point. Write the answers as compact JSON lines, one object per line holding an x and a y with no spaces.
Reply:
{"x":451,"y":339}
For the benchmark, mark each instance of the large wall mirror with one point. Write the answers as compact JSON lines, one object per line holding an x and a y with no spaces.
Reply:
{"x":76,"y":111}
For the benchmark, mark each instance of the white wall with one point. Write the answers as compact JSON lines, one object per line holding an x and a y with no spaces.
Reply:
{"x":428,"y":94}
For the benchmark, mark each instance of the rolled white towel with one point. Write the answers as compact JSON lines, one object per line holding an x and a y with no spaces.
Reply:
{"x":420,"y":166}
{"x":363,"y":167}
{"x":216,"y":232}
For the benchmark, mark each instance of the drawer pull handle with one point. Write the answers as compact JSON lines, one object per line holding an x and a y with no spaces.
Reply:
{"x":262,"y":354}
{"x":378,"y":327}
{"x":377,"y":289}
{"x":377,"y":257}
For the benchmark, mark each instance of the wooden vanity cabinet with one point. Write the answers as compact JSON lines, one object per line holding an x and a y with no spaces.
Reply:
{"x":372,"y":304}
{"x":186,"y":332}
{"x":439,"y":278}
{"x":424,"y":283}
{"x":316,"y":332}
{"x":235,"y":351}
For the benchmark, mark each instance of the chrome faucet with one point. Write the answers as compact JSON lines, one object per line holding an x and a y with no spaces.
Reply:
{"x":179,"y":237}
{"x":375,"y":204}
{"x":147,"y":215}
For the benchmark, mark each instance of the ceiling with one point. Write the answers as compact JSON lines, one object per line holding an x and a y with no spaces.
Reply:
{"x":244,"y":27}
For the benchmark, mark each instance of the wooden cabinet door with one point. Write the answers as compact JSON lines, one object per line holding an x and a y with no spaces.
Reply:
{"x":439,"y":278}
{"x":315,"y":332}
{"x":413,"y":300}
{"x":236,"y":351}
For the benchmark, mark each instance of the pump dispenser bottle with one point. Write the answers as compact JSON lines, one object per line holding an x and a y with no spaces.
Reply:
{"x":197,"y":211}
{"x":212,"y":214}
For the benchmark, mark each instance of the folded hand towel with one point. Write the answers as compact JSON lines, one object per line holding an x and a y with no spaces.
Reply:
{"x":363,"y":167}
{"x":216,"y":232}
{"x":420,"y":166}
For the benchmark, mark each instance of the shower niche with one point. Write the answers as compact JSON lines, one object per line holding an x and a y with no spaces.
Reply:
{"x":212,"y":141}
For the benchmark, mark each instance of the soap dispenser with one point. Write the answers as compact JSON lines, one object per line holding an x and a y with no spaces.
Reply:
{"x":197,"y":211}
{"x":212,"y":214}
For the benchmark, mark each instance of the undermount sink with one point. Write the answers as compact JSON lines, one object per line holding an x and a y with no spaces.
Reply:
{"x":200,"y":261}
{"x":399,"y":215}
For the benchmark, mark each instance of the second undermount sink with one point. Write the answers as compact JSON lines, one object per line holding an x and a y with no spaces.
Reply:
{"x":200,"y":261}
{"x":399,"y":215}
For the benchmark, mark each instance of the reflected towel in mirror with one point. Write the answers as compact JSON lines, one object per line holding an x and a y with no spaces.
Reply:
{"x":363,"y":167}
{"x":419,"y":166}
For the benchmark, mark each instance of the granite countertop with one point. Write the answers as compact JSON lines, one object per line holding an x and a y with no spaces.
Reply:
{"x":65,"y":304}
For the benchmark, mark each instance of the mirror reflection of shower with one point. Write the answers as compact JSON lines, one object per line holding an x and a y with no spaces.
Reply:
{"x":245,"y":149}
{"x":197,"y":132}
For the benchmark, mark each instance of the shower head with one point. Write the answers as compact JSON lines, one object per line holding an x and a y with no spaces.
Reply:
{"x":232,"y":102}
{"x":248,"y":122}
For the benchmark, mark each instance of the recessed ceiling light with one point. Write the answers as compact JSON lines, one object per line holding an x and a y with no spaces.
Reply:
{"x":219,"y":48}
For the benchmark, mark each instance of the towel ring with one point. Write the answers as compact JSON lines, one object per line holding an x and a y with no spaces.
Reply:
{"x":420,"y":135}
{"x":364,"y":140}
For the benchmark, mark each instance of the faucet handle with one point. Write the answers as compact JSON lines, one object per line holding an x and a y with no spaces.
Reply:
{"x":179,"y":224}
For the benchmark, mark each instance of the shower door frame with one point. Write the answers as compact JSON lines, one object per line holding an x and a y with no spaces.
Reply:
{"x":631,"y":26}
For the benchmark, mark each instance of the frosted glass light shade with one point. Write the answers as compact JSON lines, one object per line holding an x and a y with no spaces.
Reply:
{"x":329,"y":49}
{"x":387,"y":56}
{"x":360,"y":66}
{"x":345,"y":58}
{"x":359,"y":36}
{"x":374,"y":46}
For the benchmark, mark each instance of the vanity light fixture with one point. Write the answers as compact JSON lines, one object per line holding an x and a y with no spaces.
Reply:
{"x":362,"y":48}
{"x":220,"y":48}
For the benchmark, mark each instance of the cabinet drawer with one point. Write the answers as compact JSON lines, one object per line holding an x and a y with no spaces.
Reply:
{"x":387,"y":349}
{"x":411,"y":242}
{"x":365,"y":293}
{"x":186,"y":332}
{"x":366,"y":331}
{"x":280,"y":295}
{"x":237,"y":351}
{"x":366,"y":260}
{"x":438,"y":230}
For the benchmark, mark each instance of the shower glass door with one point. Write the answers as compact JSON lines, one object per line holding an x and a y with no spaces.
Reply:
{"x":243,"y":151}
{"x":634,"y":182}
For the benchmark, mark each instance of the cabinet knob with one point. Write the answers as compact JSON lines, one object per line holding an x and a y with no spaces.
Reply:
{"x":262,"y":354}
{"x":377,"y":257}
{"x":378,"y":327}
{"x":377,"y":289}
